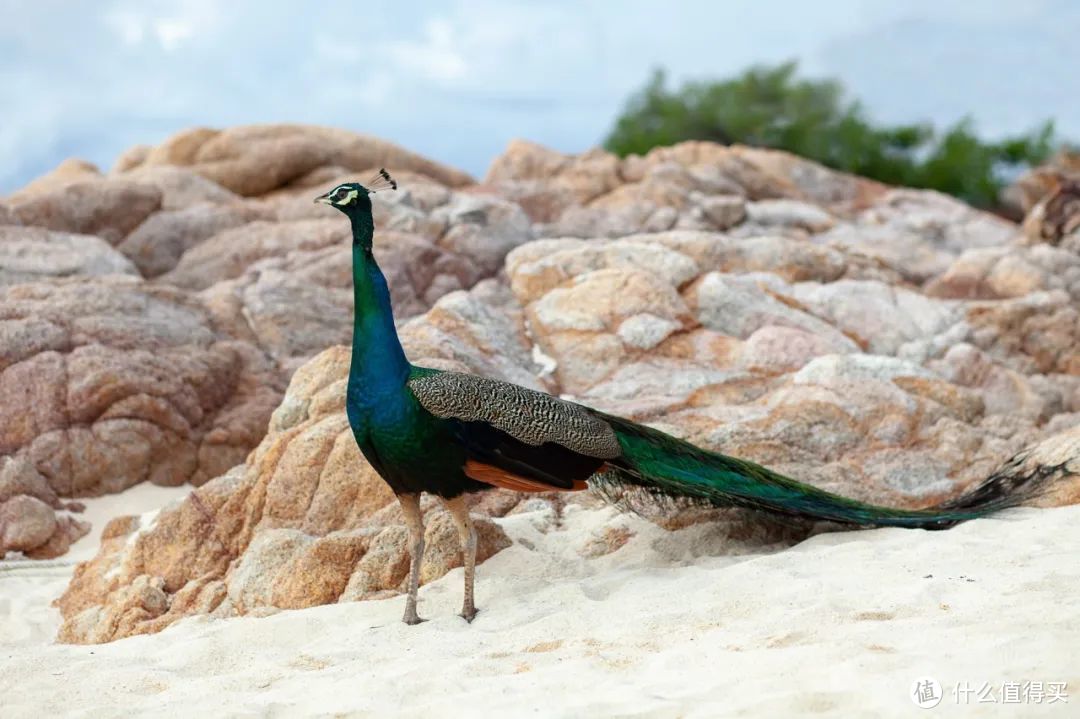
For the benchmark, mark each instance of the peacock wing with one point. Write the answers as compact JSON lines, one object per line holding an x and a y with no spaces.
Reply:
{"x":516,"y":437}
{"x":532,"y":417}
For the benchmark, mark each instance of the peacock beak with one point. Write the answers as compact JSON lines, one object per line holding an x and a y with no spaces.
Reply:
{"x":325,"y":199}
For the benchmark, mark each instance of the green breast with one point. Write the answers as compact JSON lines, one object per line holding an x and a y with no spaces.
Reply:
{"x":412,"y":450}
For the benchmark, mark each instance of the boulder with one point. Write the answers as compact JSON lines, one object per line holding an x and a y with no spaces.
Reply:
{"x":68,"y":172}
{"x":124,"y":383}
{"x":180,"y":187}
{"x":109,"y":208}
{"x":686,"y":186}
{"x":1055,"y":219}
{"x":253,"y":160}
{"x":157,"y":245}
{"x":28,"y":254}
{"x":1011,"y":271}
{"x":30,"y":526}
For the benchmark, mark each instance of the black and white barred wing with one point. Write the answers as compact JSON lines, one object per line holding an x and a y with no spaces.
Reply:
{"x":517,"y":437}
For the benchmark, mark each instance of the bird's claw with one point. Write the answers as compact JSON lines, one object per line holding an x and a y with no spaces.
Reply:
{"x":469,"y":614}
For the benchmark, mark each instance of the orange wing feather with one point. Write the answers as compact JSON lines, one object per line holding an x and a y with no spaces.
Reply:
{"x":497,"y":477}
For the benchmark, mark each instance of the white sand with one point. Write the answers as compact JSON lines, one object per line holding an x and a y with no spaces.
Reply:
{"x":840,"y":625}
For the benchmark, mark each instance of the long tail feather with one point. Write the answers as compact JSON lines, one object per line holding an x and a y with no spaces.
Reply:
{"x":662,"y":465}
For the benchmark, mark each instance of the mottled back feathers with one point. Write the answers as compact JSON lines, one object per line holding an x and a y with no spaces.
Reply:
{"x":529,"y":416}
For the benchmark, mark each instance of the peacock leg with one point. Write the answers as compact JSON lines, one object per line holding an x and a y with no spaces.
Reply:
{"x":410,"y":507}
{"x":459,"y":510}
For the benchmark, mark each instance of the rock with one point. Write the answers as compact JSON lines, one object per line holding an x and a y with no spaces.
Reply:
{"x":131,"y":158}
{"x":815,"y":183}
{"x":618,"y":221}
{"x":129,"y":381}
{"x":791,"y":260}
{"x":739,"y":305}
{"x":789,"y":213}
{"x":677,"y":256}
{"x":876,"y":316}
{"x":68,"y":172}
{"x":108,"y":208}
{"x":1006,"y":272}
{"x":483,"y":229}
{"x":157,"y":245}
{"x":124,"y":383}
{"x":774,"y":348}
{"x":1013,"y":276}
{"x":30,"y":526}
{"x":423,"y":254}
{"x":539,"y":267}
{"x":724,"y":211}
{"x":763,"y":397}
{"x":295,"y":305}
{"x":1057,"y":460}
{"x":255,"y":159}
{"x":910,"y":257}
{"x":134,"y":607}
{"x":1005,"y":391}
{"x":288,"y":569}
{"x":481,"y":330}
{"x":1055,"y":219}
{"x":229,"y":253}
{"x":918,"y":233}
{"x":28,"y":519}
{"x":1039,"y":333}
{"x":545,"y":182}
{"x":182,"y":148}
{"x":1034,"y":185}
{"x":28,"y":254}
{"x":180,"y":187}
{"x":25,"y":523}
{"x":691,"y":186}
{"x":292,"y":307}
{"x":579,"y":324}
{"x":943,"y":220}
{"x":18,"y":476}
{"x":7,"y":217}
{"x":258,"y":163}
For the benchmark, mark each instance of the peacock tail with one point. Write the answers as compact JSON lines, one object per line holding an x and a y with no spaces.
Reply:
{"x":664,"y":466}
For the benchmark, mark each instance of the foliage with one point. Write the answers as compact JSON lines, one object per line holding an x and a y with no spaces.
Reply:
{"x":772,"y":107}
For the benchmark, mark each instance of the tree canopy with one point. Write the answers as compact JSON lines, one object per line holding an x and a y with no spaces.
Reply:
{"x":773,"y":107}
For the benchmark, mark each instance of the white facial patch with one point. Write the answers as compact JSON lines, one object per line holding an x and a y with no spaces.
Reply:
{"x":347,"y":198}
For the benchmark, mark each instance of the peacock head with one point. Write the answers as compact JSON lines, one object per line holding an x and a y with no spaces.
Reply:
{"x":352,"y":198}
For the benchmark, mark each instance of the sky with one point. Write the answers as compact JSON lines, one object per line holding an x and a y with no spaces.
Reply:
{"x":456,"y":80}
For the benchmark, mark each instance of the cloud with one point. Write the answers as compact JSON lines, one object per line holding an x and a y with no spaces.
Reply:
{"x":457,"y":79}
{"x":128,"y":26}
{"x":170,"y":26}
{"x":435,"y":56}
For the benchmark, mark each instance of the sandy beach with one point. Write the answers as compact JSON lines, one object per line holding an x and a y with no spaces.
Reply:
{"x":671,"y":624}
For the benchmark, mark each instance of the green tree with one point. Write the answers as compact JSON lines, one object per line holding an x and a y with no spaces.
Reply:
{"x":773,"y":107}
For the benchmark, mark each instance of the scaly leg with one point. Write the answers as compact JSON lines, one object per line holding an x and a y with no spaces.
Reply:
{"x":459,"y":510}
{"x":410,"y":507}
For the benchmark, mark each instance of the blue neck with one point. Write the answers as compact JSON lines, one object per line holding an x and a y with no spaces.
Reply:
{"x":379,"y":364}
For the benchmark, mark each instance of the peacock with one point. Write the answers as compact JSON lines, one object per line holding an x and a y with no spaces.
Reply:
{"x":450,"y":434}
